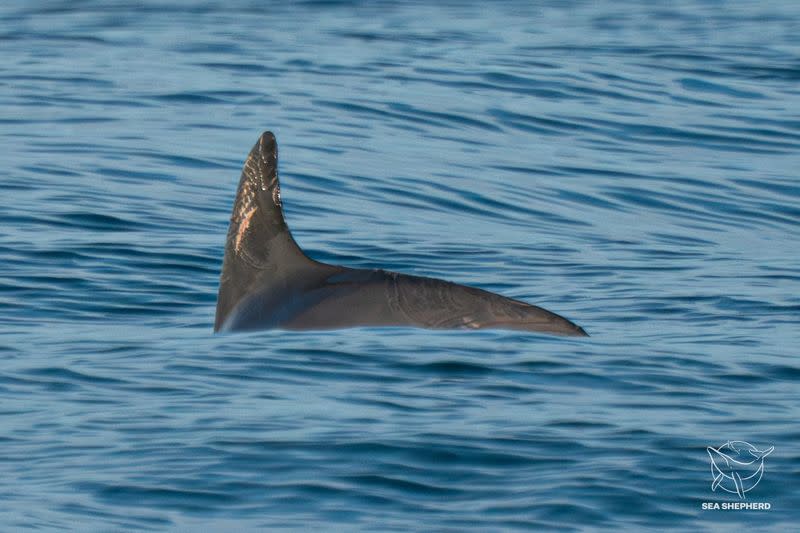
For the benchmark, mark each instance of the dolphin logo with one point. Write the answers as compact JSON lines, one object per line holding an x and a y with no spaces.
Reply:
{"x":737,"y":466}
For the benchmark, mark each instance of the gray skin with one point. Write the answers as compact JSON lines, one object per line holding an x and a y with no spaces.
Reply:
{"x":268,"y":282}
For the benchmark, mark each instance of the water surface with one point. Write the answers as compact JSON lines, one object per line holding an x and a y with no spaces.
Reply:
{"x":630,"y":166}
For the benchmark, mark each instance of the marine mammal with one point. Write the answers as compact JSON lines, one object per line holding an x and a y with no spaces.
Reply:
{"x":268,"y":282}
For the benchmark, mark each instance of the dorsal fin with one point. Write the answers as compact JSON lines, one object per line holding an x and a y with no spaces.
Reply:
{"x":259,"y":245}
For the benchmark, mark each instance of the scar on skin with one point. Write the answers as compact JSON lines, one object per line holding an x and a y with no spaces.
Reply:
{"x":243,"y":228}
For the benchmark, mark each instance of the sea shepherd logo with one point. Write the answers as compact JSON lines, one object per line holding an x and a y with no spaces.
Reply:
{"x":737,"y":467}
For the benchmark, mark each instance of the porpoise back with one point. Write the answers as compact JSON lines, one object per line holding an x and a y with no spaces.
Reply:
{"x":268,"y":282}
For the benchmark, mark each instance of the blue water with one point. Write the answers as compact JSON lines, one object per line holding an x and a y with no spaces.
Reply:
{"x":630,"y":165}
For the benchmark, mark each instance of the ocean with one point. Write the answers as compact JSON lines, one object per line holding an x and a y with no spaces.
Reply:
{"x":632,"y":166}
